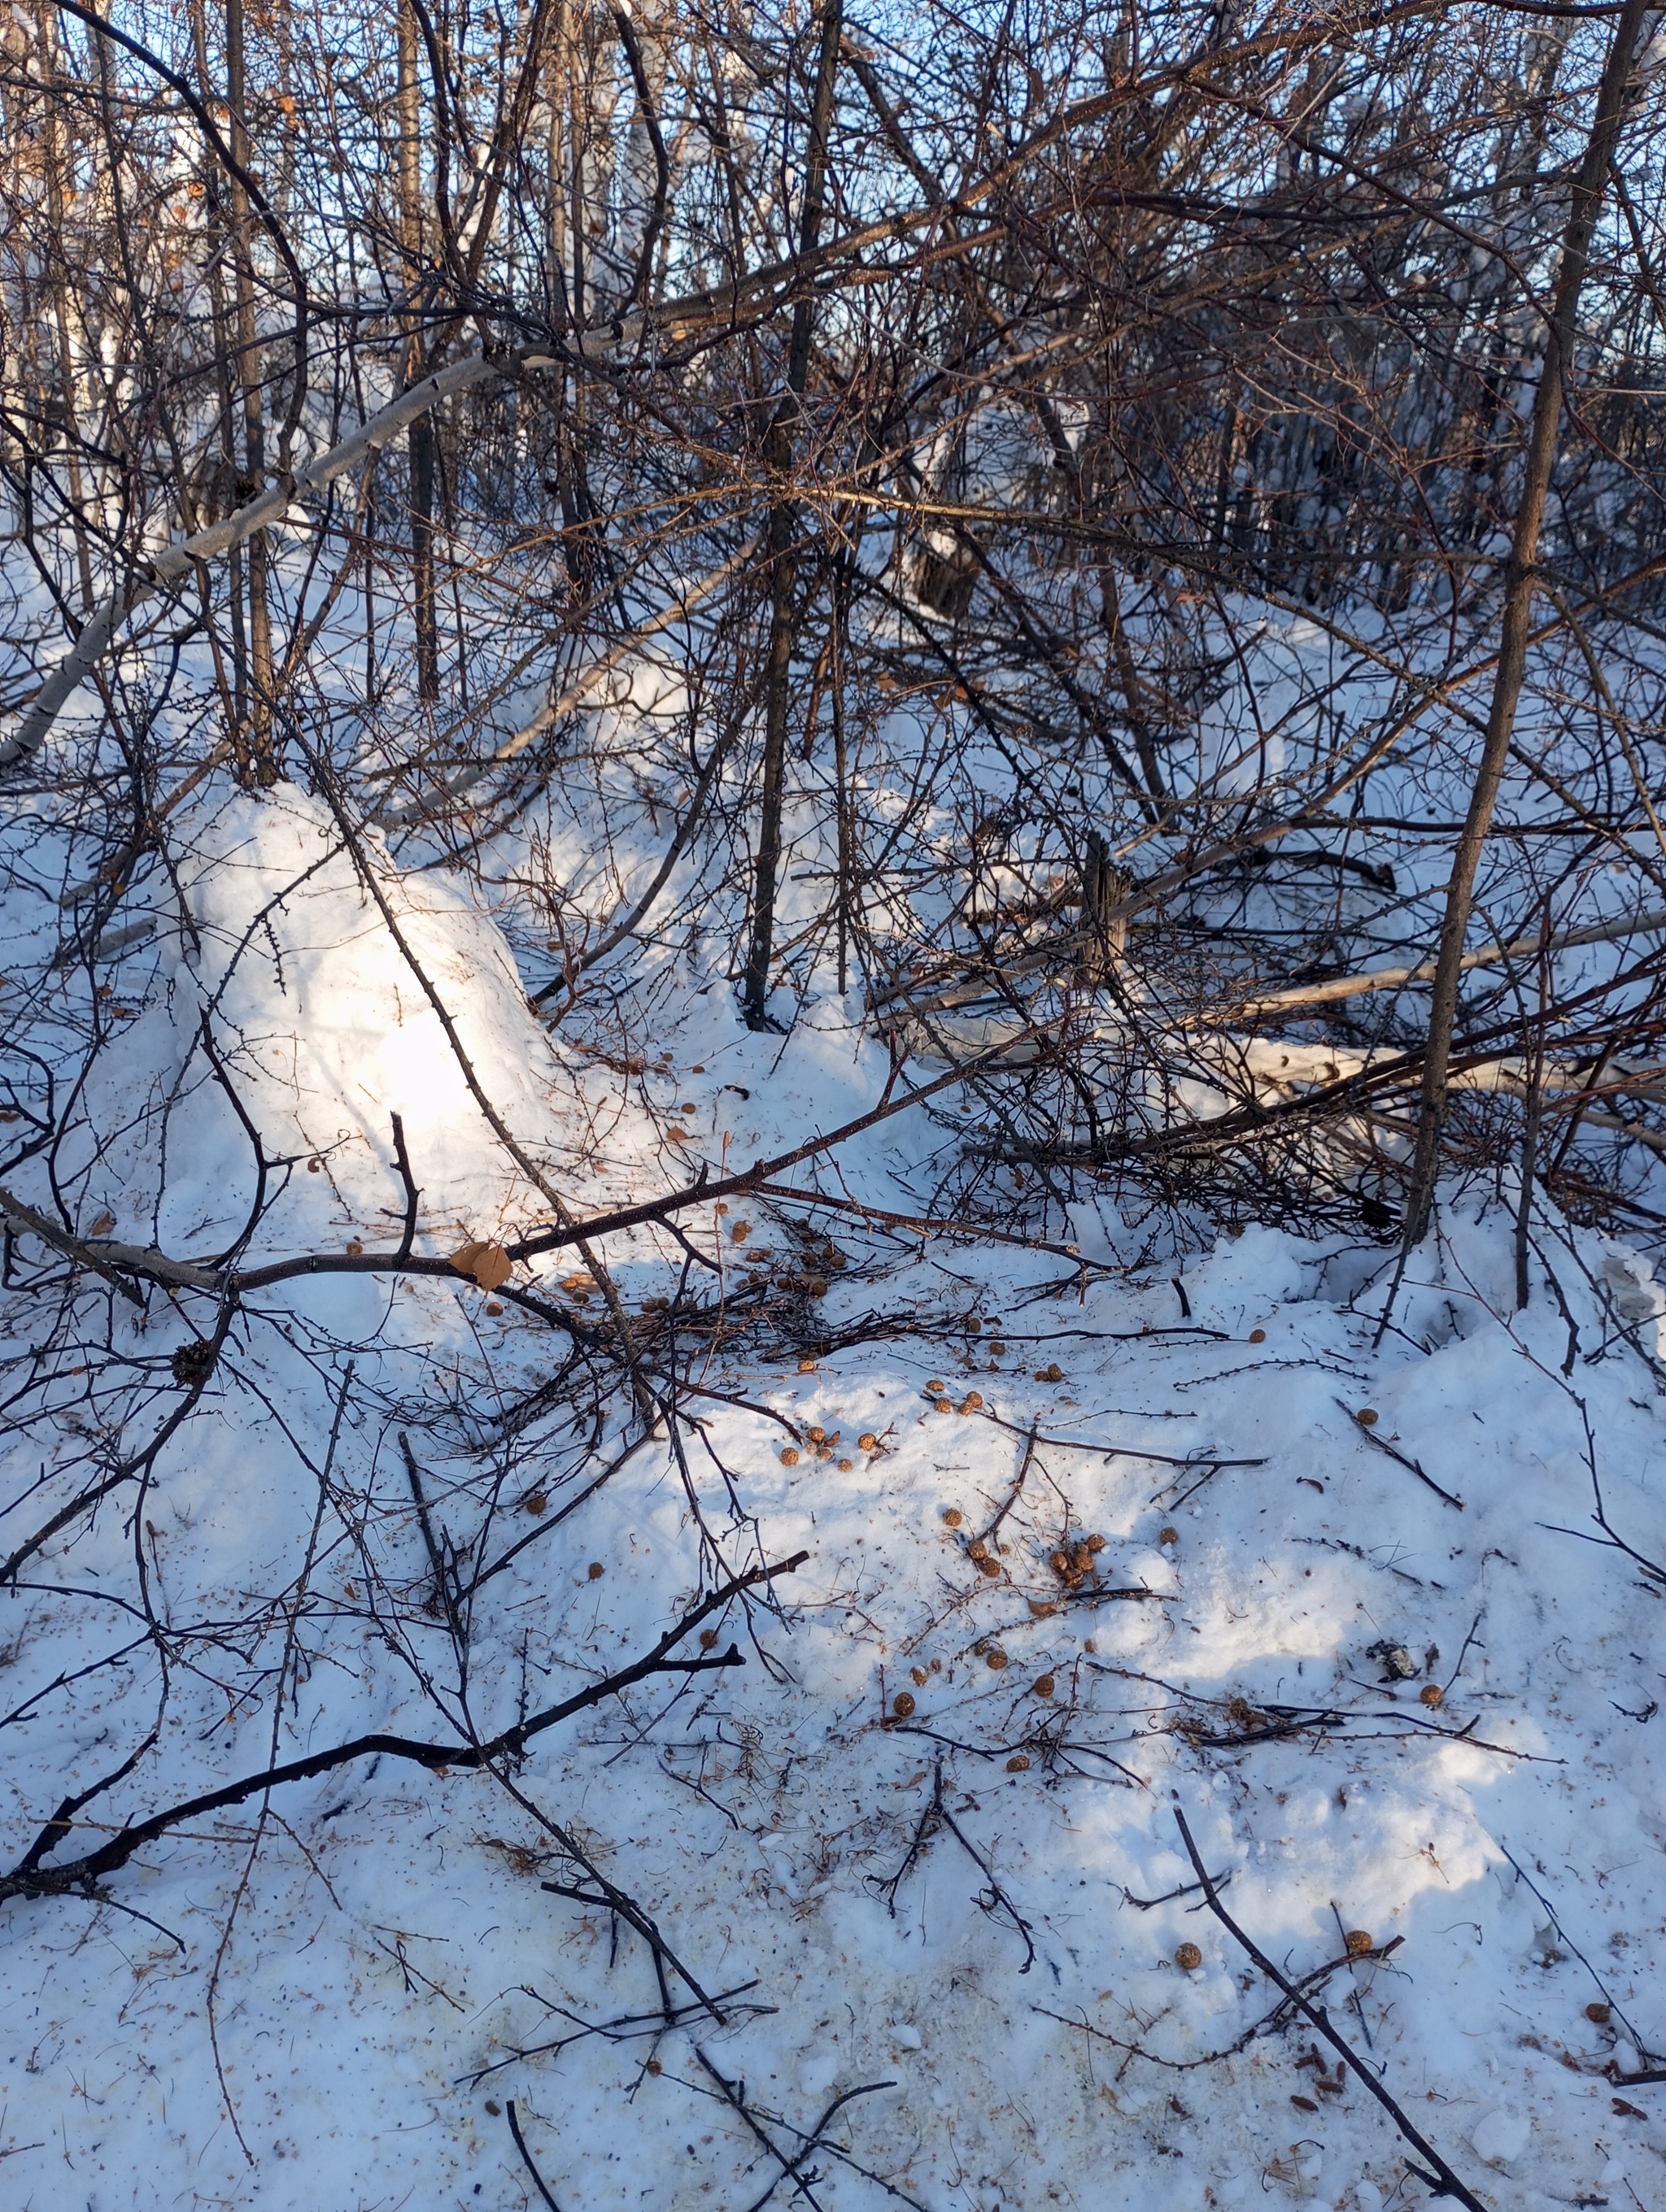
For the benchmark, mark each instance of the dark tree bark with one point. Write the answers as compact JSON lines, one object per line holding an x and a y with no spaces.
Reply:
{"x":783,"y":527}
{"x":1589,"y":190}
{"x":420,"y":443}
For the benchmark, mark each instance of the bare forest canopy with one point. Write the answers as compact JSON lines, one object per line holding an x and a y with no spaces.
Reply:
{"x":1203,"y":462}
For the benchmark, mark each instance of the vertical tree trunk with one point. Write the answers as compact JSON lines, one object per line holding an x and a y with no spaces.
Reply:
{"x":1127,"y":676}
{"x":558,"y":72}
{"x":1228,"y":444}
{"x":54,"y":160}
{"x":784,"y":569}
{"x":228,"y":474}
{"x":370,"y":684}
{"x":1587,"y":194}
{"x":1105,"y":884}
{"x":262,"y":763}
{"x":841,"y":766}
{"x":421,"y":439}
{"x":784,"y":562}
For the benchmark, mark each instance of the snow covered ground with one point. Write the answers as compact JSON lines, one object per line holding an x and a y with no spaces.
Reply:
{"x":1088,"y":1546}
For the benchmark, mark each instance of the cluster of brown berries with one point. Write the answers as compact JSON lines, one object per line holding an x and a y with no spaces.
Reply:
{"x":1073,"y":1563}
{"x":942,"y":1403}
{"x":825,"y":1446}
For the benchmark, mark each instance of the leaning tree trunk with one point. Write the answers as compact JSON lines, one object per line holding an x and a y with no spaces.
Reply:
{"x":1587,"y":194}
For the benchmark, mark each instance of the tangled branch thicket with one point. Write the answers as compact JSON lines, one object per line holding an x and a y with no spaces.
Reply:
{"x":1012,"y":517}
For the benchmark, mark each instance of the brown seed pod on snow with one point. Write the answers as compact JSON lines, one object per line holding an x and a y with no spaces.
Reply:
{"x":1258,"y":1336}
{"x":1599,"y":2012}
{"x":1170,"y":1536}
{"x":594,"y":1572}
{"x":1357,"y":1942}
{"x":933,"y":1388}
{"x":997,"y":1658}
{"x":903,"y":1706}
{"x":867,"y":1441}
{"x":1432,"y":1694}
{"x":974,"y":1400}
{"x":819,"y":1436}
{"x":918,"y":1676}
{"x":952,"y":1516}
{"x":1045,"y":1686}
{"x":1367,"y":1417}
{"x":707,"y":1639}
{"x":977,"y":1549}
{"x":1018,"y":1764}
{"x":788,"y":1455}
{"x":990,"y":1567}
{"x":1188,"y":1958}
{"x":943,"y":1405}
{"x":846,"y":1465}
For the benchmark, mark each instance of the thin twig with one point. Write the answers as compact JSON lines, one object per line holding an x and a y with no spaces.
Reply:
{"x":31,"y":1879}
{"x":521,"y":2145}
{"x":1411,"y":1465}
{"x":1017,"y":1485}
{"x":1443,"y":2181}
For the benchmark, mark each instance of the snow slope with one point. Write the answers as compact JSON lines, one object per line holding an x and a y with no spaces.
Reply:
{"x":954,"y":1910}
